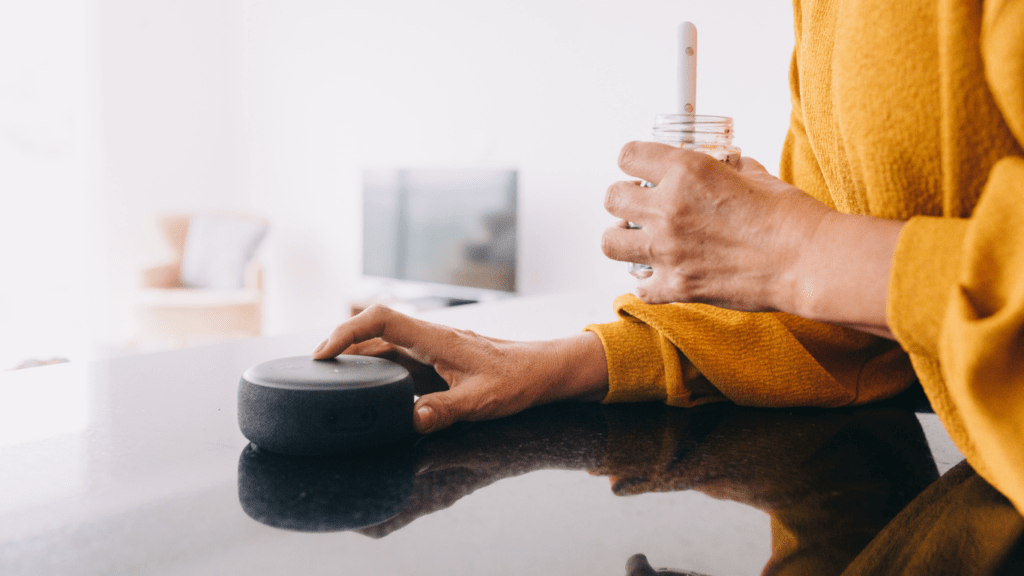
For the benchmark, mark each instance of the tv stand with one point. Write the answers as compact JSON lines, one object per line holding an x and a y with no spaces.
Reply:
{"x":414,"y":305}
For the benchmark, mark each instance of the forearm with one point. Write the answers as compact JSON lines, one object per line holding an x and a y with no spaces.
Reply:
{"x":580,"y":369}
{"x":842,"y":274}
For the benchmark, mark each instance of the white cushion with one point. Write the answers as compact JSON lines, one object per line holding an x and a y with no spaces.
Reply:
{"x":217,"y":250}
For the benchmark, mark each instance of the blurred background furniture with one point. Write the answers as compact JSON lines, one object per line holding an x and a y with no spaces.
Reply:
{"x":211,"y":291}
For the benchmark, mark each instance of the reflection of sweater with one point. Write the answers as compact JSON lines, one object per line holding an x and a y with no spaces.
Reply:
{"x":959,"y":525}
{"x":908,"y":110}
{"x":831,"y":480}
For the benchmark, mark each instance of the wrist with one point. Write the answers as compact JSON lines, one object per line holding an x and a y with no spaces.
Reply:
{"x":803,"y":290}
{"x":793,"y":289}
{"x":842,"y":274}
{"x":580,"y":370}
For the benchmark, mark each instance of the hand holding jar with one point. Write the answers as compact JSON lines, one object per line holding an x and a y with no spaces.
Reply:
{"x":711,"y":233}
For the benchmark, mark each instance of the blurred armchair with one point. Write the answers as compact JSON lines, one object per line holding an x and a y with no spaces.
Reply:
{"x":211,"y":291}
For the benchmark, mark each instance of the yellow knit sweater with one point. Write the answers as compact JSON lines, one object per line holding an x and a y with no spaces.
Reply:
{"x":907,"y":110}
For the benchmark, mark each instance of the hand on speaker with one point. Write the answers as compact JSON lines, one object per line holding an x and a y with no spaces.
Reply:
{"x":461,"y":375}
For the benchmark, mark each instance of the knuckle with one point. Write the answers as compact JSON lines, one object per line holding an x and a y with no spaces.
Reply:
{"x":628,"y":154}
{"x":376,"y":318}
{"x":381,"y":321}
{"x":444,"y":411}
{"x":693,"y":164}
{"x":688,"y":288}
{"x":680,"y":288}
{"x":378,"y":346}
{"x":644,"y":294}
{"x":608,"y":243}
{"x":677,"y":218}
{"x":377,"y":311}
{"x":611,"y":197}
{"x":677,"y":210}
{"x":654,"y":252}
{"x":747,"y":164}
{"x":491,"y":406}
{"x":459,"y":341}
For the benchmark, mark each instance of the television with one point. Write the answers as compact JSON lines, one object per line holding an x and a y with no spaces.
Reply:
{"x":450,"y":232}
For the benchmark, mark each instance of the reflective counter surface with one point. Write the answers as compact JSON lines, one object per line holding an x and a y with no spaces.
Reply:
{"x":136,"y":466}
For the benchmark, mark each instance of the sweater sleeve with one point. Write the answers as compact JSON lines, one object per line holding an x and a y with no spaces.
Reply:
{"x":690,"y":354}
{"x":962,"y":319}
{"x":956,"y":296}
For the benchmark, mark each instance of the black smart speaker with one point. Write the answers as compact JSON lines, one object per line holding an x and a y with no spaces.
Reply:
{"x":305,"y":407}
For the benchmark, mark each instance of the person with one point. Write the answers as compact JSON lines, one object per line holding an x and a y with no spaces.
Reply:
{"x":889,"y":250}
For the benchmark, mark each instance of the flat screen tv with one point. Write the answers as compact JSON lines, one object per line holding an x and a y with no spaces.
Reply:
{"x":446,"y":228}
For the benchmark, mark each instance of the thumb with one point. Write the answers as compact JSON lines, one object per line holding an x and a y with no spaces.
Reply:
{"x":439,"y":410}
{"x":751,"y":167}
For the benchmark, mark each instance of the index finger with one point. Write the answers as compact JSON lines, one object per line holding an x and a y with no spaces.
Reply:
{"x":377,"y":322}
{"x":652,"y":160}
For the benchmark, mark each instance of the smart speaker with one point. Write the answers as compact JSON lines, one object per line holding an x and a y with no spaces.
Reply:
{"x":304,"y":407}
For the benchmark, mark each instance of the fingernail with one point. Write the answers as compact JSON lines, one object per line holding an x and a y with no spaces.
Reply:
{"x":426,"y":417}
{"x":320,"y":347}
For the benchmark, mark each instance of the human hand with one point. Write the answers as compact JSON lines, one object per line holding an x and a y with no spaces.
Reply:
{"x":712,"y":234}
{"x":460,"y":375}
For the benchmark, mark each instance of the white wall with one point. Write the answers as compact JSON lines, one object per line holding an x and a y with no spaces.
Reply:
{"x":277,"y":106}
{"x":51,"y":275}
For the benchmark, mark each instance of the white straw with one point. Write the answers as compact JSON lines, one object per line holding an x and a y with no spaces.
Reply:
{"x":687,"y":73}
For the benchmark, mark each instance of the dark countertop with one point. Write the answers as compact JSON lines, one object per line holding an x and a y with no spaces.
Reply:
{"x":136,"y":466}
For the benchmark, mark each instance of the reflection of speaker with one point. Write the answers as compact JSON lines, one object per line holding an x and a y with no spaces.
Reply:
{"x":302,"y":406}
{"x":324,"y":494}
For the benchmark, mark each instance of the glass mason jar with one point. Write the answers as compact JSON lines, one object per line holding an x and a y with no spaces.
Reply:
{"x":711,"y":135}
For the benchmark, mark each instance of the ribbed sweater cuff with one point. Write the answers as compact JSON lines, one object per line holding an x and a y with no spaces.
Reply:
{"x":627,"y":344}
{"x":924,"y":269}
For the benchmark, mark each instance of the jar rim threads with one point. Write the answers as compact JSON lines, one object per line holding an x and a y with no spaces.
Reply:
{"x":693,"y":128}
